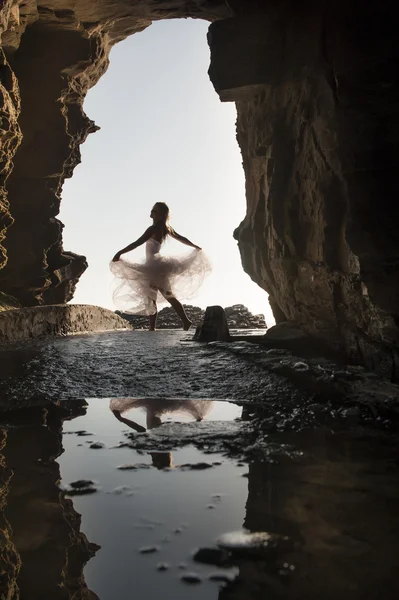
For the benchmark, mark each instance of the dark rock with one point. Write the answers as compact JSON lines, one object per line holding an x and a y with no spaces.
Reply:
{"x":97,"y":445}
{"x":214,"y":327}
{"x":191,"y":578}
{"x":81,"y":483}
{"x":162,"y":567}
{"x":81,"y":487}
{"x":149,"y":549}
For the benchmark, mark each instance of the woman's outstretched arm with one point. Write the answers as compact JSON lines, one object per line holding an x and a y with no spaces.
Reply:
{"x":182,"y":239}
{"x":146,"y":236}
{"x":128,"y":422}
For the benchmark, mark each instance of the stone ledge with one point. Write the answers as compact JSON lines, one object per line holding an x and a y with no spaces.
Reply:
{"x":56,"y":319}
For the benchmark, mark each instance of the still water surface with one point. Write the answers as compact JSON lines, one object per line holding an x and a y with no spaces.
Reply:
{"x":192,"y":472}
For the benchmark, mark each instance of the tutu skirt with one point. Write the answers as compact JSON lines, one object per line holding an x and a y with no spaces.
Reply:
{"x":143,"y":285}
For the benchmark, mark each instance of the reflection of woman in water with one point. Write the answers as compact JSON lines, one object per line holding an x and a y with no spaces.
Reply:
{"x":155,"y":408}
{"x":144,"y":284}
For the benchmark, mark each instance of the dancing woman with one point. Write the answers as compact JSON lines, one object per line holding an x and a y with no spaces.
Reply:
{"x":141,"y":283}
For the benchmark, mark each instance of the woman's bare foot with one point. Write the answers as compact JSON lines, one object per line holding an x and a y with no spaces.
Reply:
{"x":187,"y":324}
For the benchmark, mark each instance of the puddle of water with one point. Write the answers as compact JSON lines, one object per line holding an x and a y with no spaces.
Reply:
{"x":175,"y":510}
{"x":319,"y":514}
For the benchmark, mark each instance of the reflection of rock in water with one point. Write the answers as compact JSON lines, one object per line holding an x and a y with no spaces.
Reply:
{"x":9,"y":558}
{"x":162,"y":460}
{"x":339,"y":507}
{"x":44,"y":524}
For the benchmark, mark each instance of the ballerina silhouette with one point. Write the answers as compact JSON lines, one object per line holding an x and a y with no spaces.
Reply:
{"x":144,"y":284}
{"x":155,"y":408}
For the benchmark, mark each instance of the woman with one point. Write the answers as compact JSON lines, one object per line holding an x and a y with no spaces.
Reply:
{"x":141,"y":283}
{"x":155,"y":408}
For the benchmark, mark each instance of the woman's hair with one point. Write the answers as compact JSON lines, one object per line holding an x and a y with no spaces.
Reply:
{"x":163,"y":209}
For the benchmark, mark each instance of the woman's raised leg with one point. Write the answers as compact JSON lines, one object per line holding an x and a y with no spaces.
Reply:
{"x":179,"y":309}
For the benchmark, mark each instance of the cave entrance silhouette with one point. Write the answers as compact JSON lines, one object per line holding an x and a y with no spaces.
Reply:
{"x":165,"y":136}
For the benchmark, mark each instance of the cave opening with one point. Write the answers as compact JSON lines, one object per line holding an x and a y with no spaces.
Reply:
{"x":164,"y":136}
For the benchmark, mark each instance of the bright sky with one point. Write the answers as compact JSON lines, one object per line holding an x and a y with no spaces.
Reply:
{"x":165,"y":136}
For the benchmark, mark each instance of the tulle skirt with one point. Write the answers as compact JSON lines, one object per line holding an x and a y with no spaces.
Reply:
{"x":162,"y":406}
{"x":141,"y":286}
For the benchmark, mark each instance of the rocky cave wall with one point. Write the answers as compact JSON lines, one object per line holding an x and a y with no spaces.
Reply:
{"x":42,"y":550}
{"x":316,"y":94}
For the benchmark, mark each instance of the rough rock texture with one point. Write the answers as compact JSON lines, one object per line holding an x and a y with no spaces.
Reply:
{"x":10,"y":562}
{"x":214,"y":326}
{"x":39,"y":321}
{"x":317,"y":97}
{"x":49,"y":550}
{"x":238,"y":316}
{"x":317,"y":122}
{"x":64,"y":45}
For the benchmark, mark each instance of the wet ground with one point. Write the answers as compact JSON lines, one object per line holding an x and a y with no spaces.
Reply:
{"x":135,"y":495}
{"x":124,"y":363}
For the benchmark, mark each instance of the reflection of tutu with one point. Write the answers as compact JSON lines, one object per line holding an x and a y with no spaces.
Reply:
{"x":161,"y":406}
{"x":140,"y":283}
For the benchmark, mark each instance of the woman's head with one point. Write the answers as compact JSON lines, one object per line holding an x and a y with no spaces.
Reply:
{"x":160,"y":212}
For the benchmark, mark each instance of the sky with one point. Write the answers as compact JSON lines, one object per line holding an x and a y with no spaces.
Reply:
{"x":165,"y":136}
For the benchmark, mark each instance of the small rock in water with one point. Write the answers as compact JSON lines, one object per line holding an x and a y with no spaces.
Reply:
{"x":182,"y":565}
{"x":178,"y":530}
{"x":162,"y":566}
{"x":196,"y":466}
{"x":210,"y":506}
{"x":217,"y":463}
{"x":82,"y":433}
{"x":191,"y":578}
{"x":97,"y":445}
{"x":81,"y":487}
{"x":149,"y":549}
{"x":81,"y":483}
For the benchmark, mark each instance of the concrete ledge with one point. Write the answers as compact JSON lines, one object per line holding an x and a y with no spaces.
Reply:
{"x":57,"y":319}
